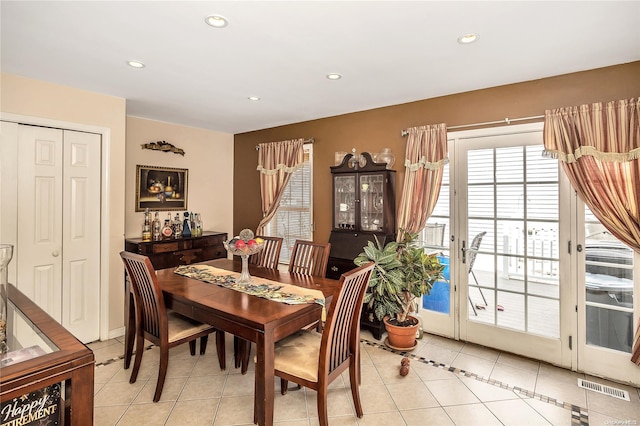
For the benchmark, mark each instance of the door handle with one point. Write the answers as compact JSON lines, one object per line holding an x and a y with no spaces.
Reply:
{"x":464,"y":251}
{"x":55,"y":253}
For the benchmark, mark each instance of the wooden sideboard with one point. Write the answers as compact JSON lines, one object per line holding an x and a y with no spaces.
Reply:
{"x":47,"y":375}
{"x":182,"y":251}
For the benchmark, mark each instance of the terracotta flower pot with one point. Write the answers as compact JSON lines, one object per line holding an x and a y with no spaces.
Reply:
{"x":402,"y":337}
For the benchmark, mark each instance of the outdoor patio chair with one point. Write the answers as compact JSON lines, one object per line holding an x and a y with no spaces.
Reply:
{"x":472,"y":251}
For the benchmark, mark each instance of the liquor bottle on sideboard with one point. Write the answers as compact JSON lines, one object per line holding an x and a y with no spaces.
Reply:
{"x":146,"y":228}
{"x":167,"y":230}
{"x":157,"y":227}
{"x":177,"y":227}
{"x":186,"y":229}
{"x":198,"y":225}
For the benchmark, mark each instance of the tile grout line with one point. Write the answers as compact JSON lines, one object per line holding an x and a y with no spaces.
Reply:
{"x":119,"y":357}
{"x":579,"y":415}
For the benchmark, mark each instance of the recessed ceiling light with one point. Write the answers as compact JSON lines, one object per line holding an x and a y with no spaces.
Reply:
{"x":468,"y":38}
{"x":216,"y":21}
{"x":334,"y":76}
{"x":254,"y":98}
{"x":135,"y":64}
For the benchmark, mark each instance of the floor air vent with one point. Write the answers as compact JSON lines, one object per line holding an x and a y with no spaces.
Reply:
{"x":603,"y":389}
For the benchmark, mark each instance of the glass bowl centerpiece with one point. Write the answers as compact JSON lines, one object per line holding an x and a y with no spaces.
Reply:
{"x":244,"y":245}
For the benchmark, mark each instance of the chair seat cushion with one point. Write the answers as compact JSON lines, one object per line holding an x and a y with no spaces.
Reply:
{"x":181,"y":326}
{"x":299,"y":354}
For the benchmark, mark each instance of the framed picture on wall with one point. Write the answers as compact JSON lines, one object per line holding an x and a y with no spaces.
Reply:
{"x":161,"y":188}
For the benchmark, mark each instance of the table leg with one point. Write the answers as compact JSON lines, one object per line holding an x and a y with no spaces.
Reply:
{"x":79,"y":393}
{"x":264,"y":392}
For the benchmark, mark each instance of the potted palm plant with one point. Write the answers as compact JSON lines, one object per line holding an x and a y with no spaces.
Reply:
{"x":403,"y":273}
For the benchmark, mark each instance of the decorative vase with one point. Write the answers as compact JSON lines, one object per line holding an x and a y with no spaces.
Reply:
{"x":402,"y":338}
{"x":386,"y":156}
{"x":248,"y":247}
{"x":6,"y":253}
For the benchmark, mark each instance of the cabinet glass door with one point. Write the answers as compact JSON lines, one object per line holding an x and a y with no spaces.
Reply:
{"x":371,"y":202}
{"x":345,"y":199}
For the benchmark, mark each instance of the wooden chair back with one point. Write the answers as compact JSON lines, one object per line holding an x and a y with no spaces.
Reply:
{"x":269,"y":256}
{"x":340,"y":337}
{"x":309,"y":258}
{"x":151,"y":313}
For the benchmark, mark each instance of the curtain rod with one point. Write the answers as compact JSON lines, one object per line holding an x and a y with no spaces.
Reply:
{"x":310,"y":140}
{"x":505,"y":121}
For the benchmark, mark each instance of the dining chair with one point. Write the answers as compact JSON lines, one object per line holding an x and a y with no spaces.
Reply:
{"x":160,"y":326}
{"x":309,"y":258}
{"x":268,"y":257}
{"x":314,"y":360}
{"x":471,"y":258}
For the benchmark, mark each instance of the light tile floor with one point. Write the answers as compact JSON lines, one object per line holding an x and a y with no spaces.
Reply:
{"x":449,"y":383}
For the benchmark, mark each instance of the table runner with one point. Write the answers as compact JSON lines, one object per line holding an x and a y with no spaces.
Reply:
{"x":261,"y":287}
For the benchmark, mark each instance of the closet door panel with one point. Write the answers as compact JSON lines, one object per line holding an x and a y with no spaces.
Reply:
{"x":81,"y":224}
{"x":39,"y":247}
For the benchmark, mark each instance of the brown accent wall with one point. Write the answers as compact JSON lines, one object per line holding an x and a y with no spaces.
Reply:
{"x":375,"y":129}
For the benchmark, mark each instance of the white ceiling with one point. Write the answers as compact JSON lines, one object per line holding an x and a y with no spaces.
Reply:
{"x":389,"y":52}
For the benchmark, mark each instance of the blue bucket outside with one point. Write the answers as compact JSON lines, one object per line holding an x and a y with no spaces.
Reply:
{"x":438,"y":299}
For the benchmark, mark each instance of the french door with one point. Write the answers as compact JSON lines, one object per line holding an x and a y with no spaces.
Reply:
{"x":530,"y":270}
{"x":608,"y":277}
{"x":510,"y":244}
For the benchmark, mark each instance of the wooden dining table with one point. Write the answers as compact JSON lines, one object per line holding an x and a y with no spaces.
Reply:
{"x":253,"y":318}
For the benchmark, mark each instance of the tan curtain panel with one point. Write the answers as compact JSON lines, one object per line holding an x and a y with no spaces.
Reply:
{"x":276,"y":162}
{"x":425,"y":157}
{"x":599,"y":147}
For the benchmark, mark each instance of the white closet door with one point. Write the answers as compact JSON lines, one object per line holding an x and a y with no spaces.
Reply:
{"x":58,"y":224}
{"x":81,"y":235}
{"x":39,"y":248}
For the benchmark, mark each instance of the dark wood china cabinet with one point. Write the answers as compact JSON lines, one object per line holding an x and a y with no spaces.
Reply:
{"x":364,"y":206}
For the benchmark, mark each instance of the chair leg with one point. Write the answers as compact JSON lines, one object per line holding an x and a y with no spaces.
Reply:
{"x":237,"y":356}
{"x":220,"y":348}
{"x":138,"y":358}
{"x":192,"y":347}
{"x":245,"y":353}
{"x":481,"y":293}
{"x":358,"y":368}
{"x":354,"y":379}
{"x":130,"y":332}
{"x":255,"y":402}
{"x":322,"y":406}
{"x":162,"y":372}
{"x":472,"y":307}
{"x":203,"y":344}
